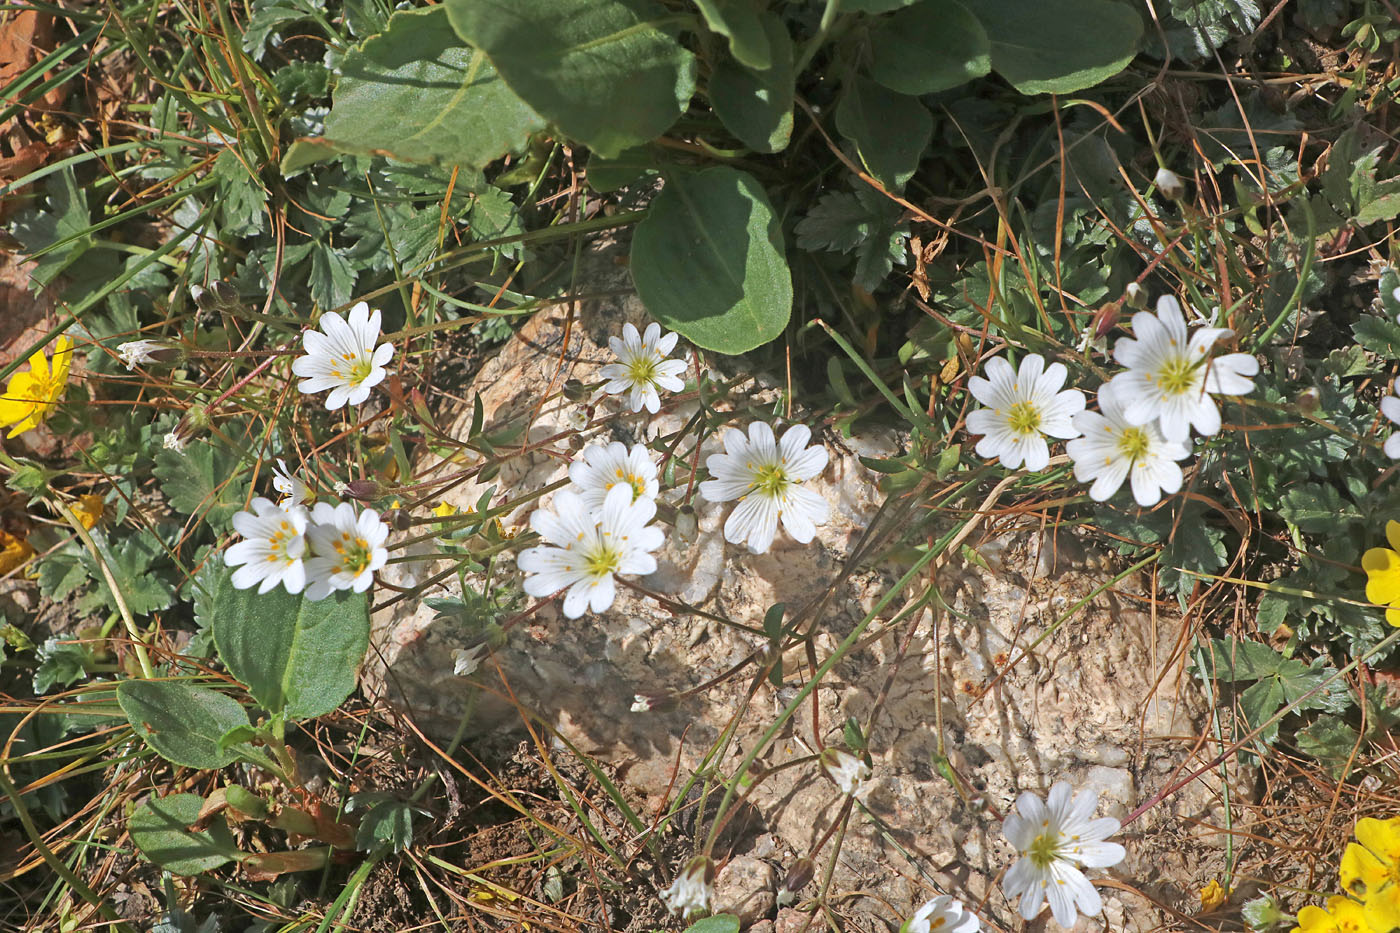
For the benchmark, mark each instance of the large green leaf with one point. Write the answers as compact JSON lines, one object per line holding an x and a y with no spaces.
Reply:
{"x":931,"y":46}
{"x":756,"y":106}
{"x":891,"y":131}
{"x":603,"y":71}
{"x":1060,"y":47}
{"x":741,"y":23}
{"x":180,"y":721}
{"x":297,"y":657}
{"x":203,"y":479}
{"x":161,"y":830}
{"x":419,"y":94}
{"x":709,"y":261}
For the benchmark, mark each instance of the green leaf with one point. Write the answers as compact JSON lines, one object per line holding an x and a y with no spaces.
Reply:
{"x":1331,"y":741}
{"x":1377,"y":335}
{"x":603,"y":71}
{"x":67,"y":218}
{"x":182,"y":722}
{"x":742,"y":24}
{"x":606,"y":175}
{"x":1314,"y":507}
{"x":708,"y":261}
{"x":132,"y":560}
{"x":890,"y":131}
{"x":756,"y":105}
{"x":298,"y":658}
{"x":332,"y":278}
{"x":417,"y":93}
{"x":204,"y":479}
{"x":931,"y":46}
{"x":1060,"y":47}
{"x":388,"y":824}
{"x":719,"y":923}
{"x":161,"y":830}
{"x":873,"y":6}
{"x":865,"y":221}
{"x":60,"y":663}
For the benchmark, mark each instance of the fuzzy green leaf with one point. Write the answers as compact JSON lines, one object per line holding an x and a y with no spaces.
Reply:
{"x":161,"y":830}
{"x":604,"y":71}
{"x":182,"y":722}
{"x":1060,"y":47}
{"x":756,"y":105}
{"x":890,"y":131}
{"x":203,"y":479}
{"x":931,"y":46}
{"x":742,"y":24}
{"x":709,"y":262}
{"x":298,"y":658}
{"x":417,"y":93}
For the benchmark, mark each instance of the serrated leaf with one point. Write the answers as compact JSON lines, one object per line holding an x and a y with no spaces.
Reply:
{"x":1317,"y":508}
{"x":61,"y":663}
{"x":132,"y":561}
{"x":931,"y":46}
{"x":708,"y":261}
{"x":203,"y":479}
{"x":66,"y":217}
{"x":1061,"y":47}
{"x":740,"y":23}
{"x":182,"y":722}
{"x":418,"y":93}
{"x":1378,"y":335}
{"x":160,"y":828}
{"x":890,"y":131}
{"x":604,"y":71}
{"x":756,"y":105}
{"x":297,"y":657}
{"x":332,"y":277}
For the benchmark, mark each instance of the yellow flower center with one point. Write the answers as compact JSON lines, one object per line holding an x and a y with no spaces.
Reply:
{"x":1044,"y":849}
{"x":1133,"y":444}
{"x":638,"y":484}
{"x":1023,"y":418}
{"x":361,"y":369}
{"x":1177,"y":376}
{"x":641,"y":369}
{"x":603,"y":561}
{"x":770,"y":480}
{"x":355,"y":554}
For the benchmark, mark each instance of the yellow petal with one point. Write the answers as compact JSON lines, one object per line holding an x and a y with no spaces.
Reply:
{"x":1382,"y":566}
{"x":63,"y":359}
{"x":1313,"y":919}
{"x":1392,"y":534}
{"x":1360,"y":870}
{"x":13,"y":552}
{"x":39,"y":365}
{"x":1382,"y":910}
{"x":1382,"y":838}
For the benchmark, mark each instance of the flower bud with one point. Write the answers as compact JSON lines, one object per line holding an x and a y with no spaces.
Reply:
{"x":687,"y":526}
{"x":798,"y":877}
{"x":1136,"y":295}
{"x":225,"y":293}
{"x":691,"y":891}
{"x":575,"y":391}
{"x":365,"y":490}
{"x":1309,"y":400}
{"x":135,"y":352}
{"x":1169,"y":183}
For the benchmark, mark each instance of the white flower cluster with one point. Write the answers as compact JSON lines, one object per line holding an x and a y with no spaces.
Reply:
{"x":1146,"y":412}
{"x":330,"y":547}
{"x":1390,"y":408}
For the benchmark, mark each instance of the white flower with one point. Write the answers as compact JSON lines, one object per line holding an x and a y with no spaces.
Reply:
{"x":585,"y":549}
{"x":346,"y":549}
{"x":294,"y":491}
{"x":641,"y":703}
{"x":1390,"y":407}
{"x":1169,"y":183}
{"x":942,"y":915}
{"x":1113,"y":450}
{"x":465,"y":661}
{"x":1170,"y":375}
{"x":1023,"y":406}
{"x":1055,"y":838}
{"x":642,"y":367}
{"x":344,"y":359}
{"x":173,"y":441}
{"x":598,"y":469}
{"x":690,"y":893}
{"x":763,"y":474}
{"x":849,"y":773}
{"x":272,"y":548}
{"x":136,"y":352}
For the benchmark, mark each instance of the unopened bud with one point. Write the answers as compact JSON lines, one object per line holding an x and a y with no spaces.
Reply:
{"x":136,"y":352}
{"x":397,"y":519}
{"x":1169,"y":183}
{"x":650,"y":702}
{"x":203,"y":298}
{"x":575,"y":391}
{"x":365,"y":490}
{"x":798,"y":877}
{"x":1136,"y":295}
{"x":1309,"y":400}
{"x":687,"y":525}
{"x":225,"y":292}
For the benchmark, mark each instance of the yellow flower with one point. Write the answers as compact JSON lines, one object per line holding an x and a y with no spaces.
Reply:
{"x":1370,"y":870}
{"x":445,"y":509}
{"x":13,"y":552}
{"x":1382,"y":566}
{"x":1341,"y":916}
{"x":31,"y":396}
{"x":1212,"y":896}
{"x":89,"y":510}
